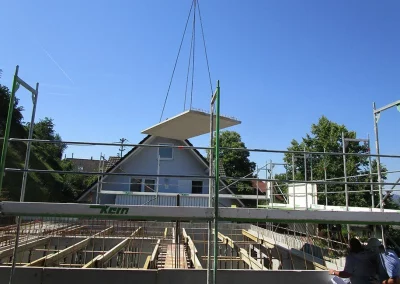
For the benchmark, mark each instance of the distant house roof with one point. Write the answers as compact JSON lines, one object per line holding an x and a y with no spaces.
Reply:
{"x":116,"y":162}
{"x":263,"y":187}
{"x":87,"y":165}
{"x":112,"y":161}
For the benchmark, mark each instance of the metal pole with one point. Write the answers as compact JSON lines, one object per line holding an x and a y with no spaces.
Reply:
{"x":267,"y":188}
{"x":305,"y":176}
{"x":271,"y":183}
{"x":103,"y":160}
{"x":257,"y":186}
{"x":326,"y":186}
{"x":8,"y":127}
{"x":98,"y":180}
{"x":346,"y":190}
{"x":370,"y":174}
{"x":345,"y":172}
{"x":24,"y":178}
{"x":294,"y":185}
{"x":294,"y":192}
{"x":378,"y":165}
{"x":158,"y":177}
{"x":371,"y":179}
{"x":216,"y":185}
{"x":29,"y":144}
{"x":210,"y":192}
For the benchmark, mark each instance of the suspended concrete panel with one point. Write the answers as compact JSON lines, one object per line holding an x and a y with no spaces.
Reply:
{"x":189,"y":124}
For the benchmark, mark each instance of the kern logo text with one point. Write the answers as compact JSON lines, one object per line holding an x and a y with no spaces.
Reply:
{"x":104,"y":209}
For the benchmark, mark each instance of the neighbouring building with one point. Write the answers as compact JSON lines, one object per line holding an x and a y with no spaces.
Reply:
{"x":149,"y":189}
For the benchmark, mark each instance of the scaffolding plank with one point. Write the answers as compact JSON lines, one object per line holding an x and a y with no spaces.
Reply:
{"x":188,"y":124}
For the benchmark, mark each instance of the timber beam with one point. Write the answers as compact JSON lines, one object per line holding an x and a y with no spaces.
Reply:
{"x":53,"y":258}
{"x":193,"y":250}
{"x":27,"y":246}
{"x":250,"y":261}
{"x":101,"y":259}
{"x":267,"y":243}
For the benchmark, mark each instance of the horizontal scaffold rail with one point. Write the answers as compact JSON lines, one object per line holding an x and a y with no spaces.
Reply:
{"x":142,"y":212}
{"x":83,"y":143}
{"x":198,"y":177}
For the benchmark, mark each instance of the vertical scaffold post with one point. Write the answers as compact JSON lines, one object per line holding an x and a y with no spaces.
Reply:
{"x":378,"y":166}
{"x":346,"y":190}
{"x":325,"y":178}
{"x":216,"y":186}
{"x":210,"y":190}
{"x":294,"y":184}
{"x":8,"y":127}
{"x":35,"y":94}
{"x":371,"y":180}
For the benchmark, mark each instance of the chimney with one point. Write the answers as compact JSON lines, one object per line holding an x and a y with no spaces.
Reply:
{"x":72,"y":155}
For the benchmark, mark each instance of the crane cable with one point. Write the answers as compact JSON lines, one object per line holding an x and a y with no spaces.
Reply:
{"x":191,"y":57}
{"x":176,"y":61}
{"x":194,"y":44}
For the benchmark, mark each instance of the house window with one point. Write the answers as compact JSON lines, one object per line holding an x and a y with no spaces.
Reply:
{"x":149,"y":185}
{"x":80,"y":168}
{"x":197,"y":186}
{"x":165,"y":153}
{"x":136,"y":185}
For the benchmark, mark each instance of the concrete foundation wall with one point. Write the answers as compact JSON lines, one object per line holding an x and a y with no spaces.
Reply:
{"x":169,"y":276}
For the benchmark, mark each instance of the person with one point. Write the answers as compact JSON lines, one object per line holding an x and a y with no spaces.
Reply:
{"x":388,"y":262}
{"x":360,"y":265}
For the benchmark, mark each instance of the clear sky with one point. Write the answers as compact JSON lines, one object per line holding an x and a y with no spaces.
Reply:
{"x":104,"y":66}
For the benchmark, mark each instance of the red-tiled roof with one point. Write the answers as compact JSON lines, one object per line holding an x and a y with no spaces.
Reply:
{"x":263,"y":187}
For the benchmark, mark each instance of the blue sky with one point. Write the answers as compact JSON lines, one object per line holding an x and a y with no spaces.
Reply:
{"x":282,"y":64}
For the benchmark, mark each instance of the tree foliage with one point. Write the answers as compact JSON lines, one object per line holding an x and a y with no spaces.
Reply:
{"x":40,"y":187}
{"x":44,"y":130}
{"x":236,"y":163}
{"x":326,"y":136}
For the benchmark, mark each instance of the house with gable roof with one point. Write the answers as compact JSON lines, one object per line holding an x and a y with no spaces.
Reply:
{"x":152,"y":190}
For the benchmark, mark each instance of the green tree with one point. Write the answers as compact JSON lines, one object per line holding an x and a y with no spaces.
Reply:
{"x":44,"y":130}
{"x":74,"y":184}
{"x":43,"y":187}
{"x":327,"y":135}
{"x":16,"y":123}
{"x":236,"y":163}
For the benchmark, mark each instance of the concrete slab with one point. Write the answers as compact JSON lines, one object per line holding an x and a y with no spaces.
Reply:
{"x":188,"y":124}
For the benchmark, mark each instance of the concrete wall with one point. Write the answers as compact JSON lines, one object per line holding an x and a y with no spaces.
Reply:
{"x":26,"y":275}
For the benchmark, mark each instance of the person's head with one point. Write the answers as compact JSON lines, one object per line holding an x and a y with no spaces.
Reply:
{"x":374,"y":245}
{"x":355,"y":245}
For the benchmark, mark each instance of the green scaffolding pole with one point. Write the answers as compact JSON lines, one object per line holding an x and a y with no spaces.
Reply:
{"x":216,"y":169}
{"x":8,"y":128}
